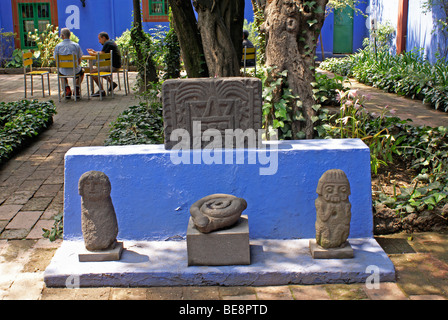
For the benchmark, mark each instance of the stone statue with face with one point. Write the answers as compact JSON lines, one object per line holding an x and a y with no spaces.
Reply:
{"x":98,"y":219}
{"x":333,"y":209}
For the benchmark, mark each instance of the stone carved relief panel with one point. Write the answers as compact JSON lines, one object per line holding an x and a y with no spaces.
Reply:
{"x":197,"y":105}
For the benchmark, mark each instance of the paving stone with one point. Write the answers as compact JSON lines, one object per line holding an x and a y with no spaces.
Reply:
{"x":24,"y":220}
{"x":3,"y":224}
{"x":14,"y":234}
{"x":241,"y":297}
{"x":37,"y":232}
{"x":48,"y":190}
{"x":164,"y":293}
{"x":37,"y":204}
{"x":427,"y":297}
{"x":386,"y":291}
{"x":128,"y":294}
{"x":91,"y":293}
{"x":315,"y":292}
{"x":413,"y":274}
{"x":58,"y":294}
{"x":346,"y":291}
{"x":7,"y":212}
{"x":236,"y":291}
{"x":200,"y":293}
{"x":274,"y":293}
{"x":19,"y":197}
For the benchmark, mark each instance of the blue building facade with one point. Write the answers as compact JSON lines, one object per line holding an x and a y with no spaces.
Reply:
{"x":416,"y":27}
{"x":86,"y":18}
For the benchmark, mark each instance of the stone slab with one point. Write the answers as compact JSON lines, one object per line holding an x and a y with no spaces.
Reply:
{"x":165,"y":263}
{"x":152,"y":195}
{"x":317,"y":252}
{"x":221,"y":247}
{"x":105,"y":255}
{"x":218,"y":103}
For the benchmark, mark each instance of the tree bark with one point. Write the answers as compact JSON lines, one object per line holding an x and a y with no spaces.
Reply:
{"x":146,"y":67}
{"x":292,"y":30}
{"x":189,"y":38}
{"x":221,"y":24}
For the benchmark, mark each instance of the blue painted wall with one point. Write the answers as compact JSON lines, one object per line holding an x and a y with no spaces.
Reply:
{"x":420,"y":26}
{"x":115,"y":16}
{"x":152,"y":195}
{"x":360,"y":32}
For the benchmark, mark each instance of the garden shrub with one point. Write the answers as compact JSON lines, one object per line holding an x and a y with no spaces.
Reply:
{"x":407,"y":74}
{"x":21,"y":121}
{"x":139,"y":124}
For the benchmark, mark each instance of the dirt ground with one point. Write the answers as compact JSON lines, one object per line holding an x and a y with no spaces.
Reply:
{"x":387,"y":220}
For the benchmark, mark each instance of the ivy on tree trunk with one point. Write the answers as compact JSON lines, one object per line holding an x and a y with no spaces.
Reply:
{"x":142,"y":44}
{"x":292,"y":29}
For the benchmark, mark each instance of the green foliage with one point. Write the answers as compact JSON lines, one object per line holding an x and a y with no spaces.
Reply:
{"x":407,"y":74}
{"x":278,"y":112}
{"x":21,"y":121}
{"x":46,"y":42}
{"x":6,"y":46}
{"x":426,"y":149}
{"x":326,"y":89}
{"x":17,"y":60}
{"x":172,"y":55}
{"x":139,"y":124}
{"x":57,"y":230}
{"x":354,"y":121}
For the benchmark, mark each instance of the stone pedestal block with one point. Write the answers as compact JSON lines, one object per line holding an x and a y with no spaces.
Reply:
{"x":317,"y":252}
{"x":219,"y":248}
{"x":104,"y":255}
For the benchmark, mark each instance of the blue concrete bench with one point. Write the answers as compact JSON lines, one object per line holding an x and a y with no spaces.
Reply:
{"x":152,"y":195}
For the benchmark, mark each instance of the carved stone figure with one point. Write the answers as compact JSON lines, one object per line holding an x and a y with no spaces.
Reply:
{"x":333,"y":209}
{"x":99,"y":222}
{"x":217,"y":211}
{"x":217,"y":103}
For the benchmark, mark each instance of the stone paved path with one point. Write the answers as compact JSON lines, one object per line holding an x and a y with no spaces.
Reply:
{"x":31,"y":193}
{"x":31,"y":183}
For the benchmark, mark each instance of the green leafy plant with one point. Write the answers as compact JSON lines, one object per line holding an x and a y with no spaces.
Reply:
{"x":57,"y":230}
{"x":20,"y":122}
{"x":16,"y":60}
{"x":407,"y":74}
{"x":139,"y":124}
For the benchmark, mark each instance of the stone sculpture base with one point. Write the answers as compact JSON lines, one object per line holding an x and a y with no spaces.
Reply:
{"x":317,"y":252}
{"x":221,"y":247}
{"x":106,"y":255}
{"x":164,"y":263}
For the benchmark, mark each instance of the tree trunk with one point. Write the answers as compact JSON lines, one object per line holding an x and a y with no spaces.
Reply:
{"x":146,"y":67}
{"x":292,"y":30}
{"x":189,"y":38}
{"x":221,"y":24}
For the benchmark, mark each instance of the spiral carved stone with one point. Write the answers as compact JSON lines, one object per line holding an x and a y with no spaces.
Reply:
{"x":217,"y":211}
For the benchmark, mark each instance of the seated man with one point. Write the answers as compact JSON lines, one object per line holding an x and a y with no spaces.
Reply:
{"x":247,"y":44}
{"x":108,"y":45}
{"x":67,"y":47}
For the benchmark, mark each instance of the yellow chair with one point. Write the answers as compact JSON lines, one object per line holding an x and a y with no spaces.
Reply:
{"x":102,"y":60}
{"x":124,"y":70}
{"x":28,"y":61}
{"x":249,"y":54}
{"x":71,"y":62}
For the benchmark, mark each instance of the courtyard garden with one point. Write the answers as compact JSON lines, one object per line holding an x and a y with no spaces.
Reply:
{"x":409,"y":163}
